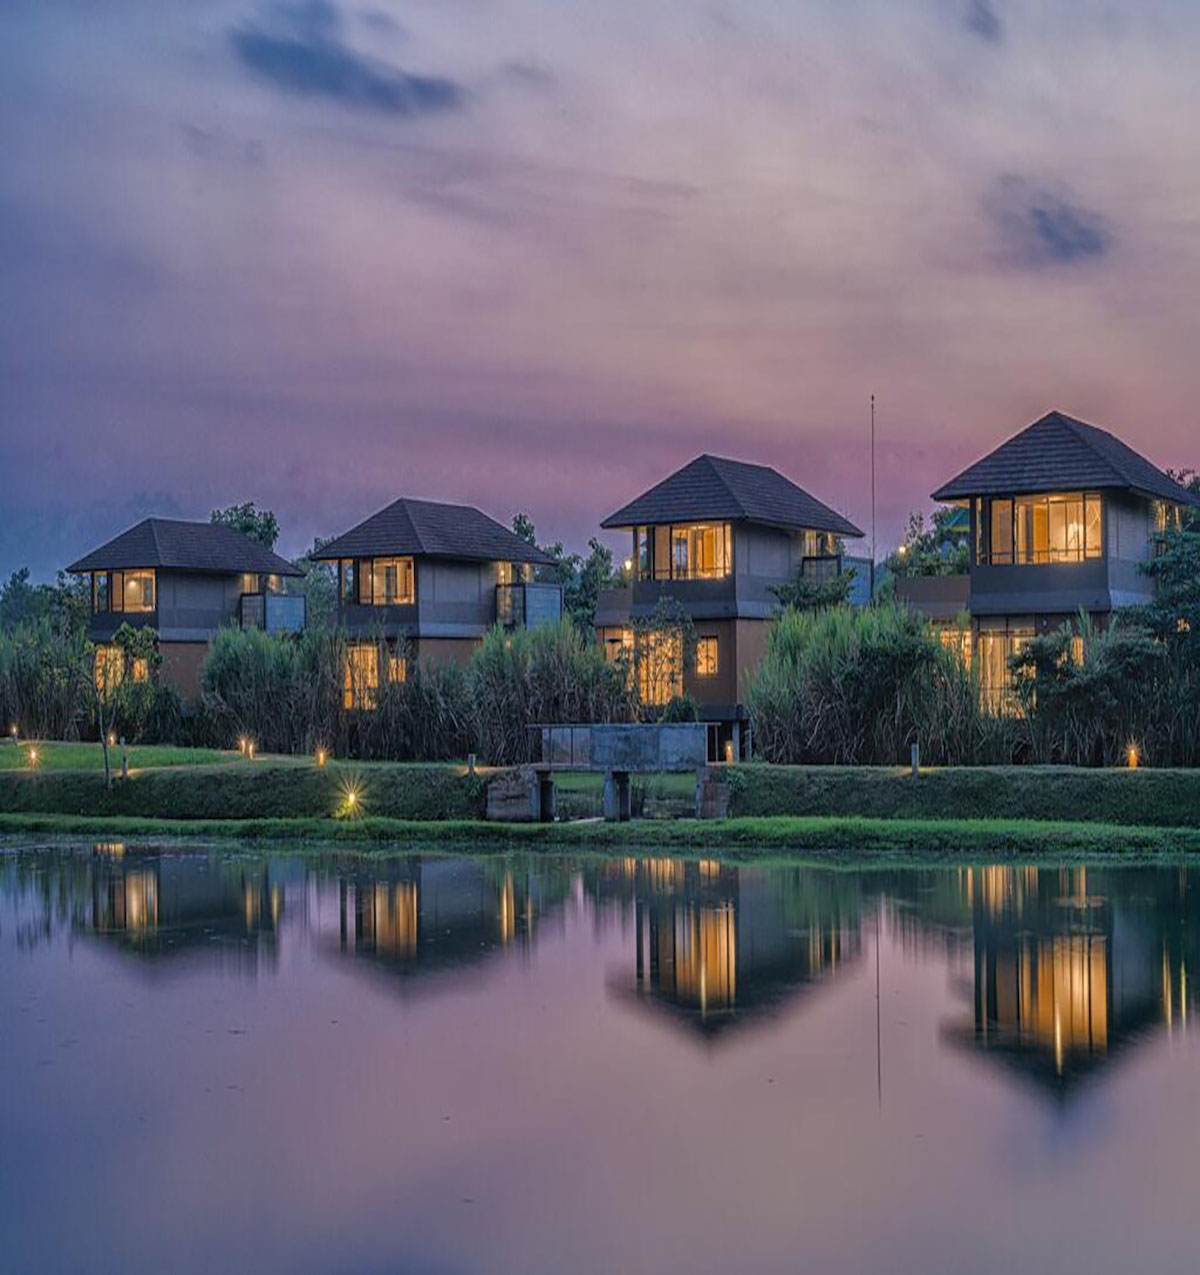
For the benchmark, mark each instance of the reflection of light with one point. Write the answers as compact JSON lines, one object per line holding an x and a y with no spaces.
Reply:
{"x":507,"y":910}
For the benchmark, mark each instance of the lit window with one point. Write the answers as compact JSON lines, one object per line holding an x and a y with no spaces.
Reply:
{"x":706,"y":657}
{"x":100,"y":591}
{"x":397,"y":669}
{"x":700,"y":551}
{"x":659,"y":657}
{"x":1044,"y":529}
{"x":391,"y":581}
{"x":140,"y":670}
{"x":134,"y":591}
{"x":109,"y":667}
{"x":250,"y":583}
{"x":362,"y":676}
{"x":996,"y":648}
{"x":957,"y":638}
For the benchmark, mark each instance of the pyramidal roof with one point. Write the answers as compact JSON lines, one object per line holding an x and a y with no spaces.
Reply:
{"x":428,"y":528}
{"x":184,"y":546}
{"x":1060,"y":453}
{"x":714,"y":488}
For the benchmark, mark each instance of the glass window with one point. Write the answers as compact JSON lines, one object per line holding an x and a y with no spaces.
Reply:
{"x":641,"y":552}
{"x":706,"y":657}
{"x":698,"y":551}
{"x":109,"y":667}
{"x":996,"y":647}
{"x":397,"y":669}
{"x":249,"y":582}
{"x":362,"y":675}
{"x":1093,"y":527}
{"x":660,"y":666}
{"x":391,"y":581}
{"x":138,"y":591}
{"x":141,"y":669}
{"x":347,"y":573}
{"x":100,"y":592}
{"x":1002,"y":531}
{"x":662,"y":553}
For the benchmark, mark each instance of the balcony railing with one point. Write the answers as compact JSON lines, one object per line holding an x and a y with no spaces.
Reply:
{"x":821,"y":568}
{"x":528,"y":606}
{"x":274,"y":612}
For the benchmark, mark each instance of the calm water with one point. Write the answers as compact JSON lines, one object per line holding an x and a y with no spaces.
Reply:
{"x":212,"y":1062}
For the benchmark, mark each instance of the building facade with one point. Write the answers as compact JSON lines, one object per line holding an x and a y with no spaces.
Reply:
{"x":1063,"y":518}
{"x":184,"y":580}
{"x":425,"y":580}
{"x":713,"y":541}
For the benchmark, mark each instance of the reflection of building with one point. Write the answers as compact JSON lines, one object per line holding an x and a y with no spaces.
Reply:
{"x":414,"y":915}
{"x":716,"y":944}
{"x":1072,"y":964}
{"x":157,"y":906}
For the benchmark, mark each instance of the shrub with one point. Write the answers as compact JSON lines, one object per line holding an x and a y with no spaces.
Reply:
{"x":859,"y":687}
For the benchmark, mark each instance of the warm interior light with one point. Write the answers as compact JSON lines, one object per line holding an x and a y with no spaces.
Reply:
{"x":1132,"y":757}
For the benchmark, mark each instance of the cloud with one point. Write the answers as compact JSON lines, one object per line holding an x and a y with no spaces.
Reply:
{"x":1041,"y":228}
{"x":299,"y":52}
{"x":983,"y":20}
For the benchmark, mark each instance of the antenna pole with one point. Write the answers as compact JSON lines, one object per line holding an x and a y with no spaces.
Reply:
{"x":872,"y":497}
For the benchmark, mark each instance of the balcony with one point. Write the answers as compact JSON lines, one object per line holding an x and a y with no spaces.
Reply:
{"x":274,"y":612}
{"x":528,"y":606}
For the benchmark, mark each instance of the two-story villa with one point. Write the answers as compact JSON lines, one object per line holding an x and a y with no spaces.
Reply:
{"x":421,"y":579}
{"x":1063,"y":517}
{"x":185,"y":580}
{"x":716,"y":537}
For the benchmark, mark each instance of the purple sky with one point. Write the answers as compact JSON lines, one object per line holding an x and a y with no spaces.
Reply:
{"x":532,"y":255}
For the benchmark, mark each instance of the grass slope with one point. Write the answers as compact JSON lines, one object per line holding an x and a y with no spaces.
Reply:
{"x":734,"y":838}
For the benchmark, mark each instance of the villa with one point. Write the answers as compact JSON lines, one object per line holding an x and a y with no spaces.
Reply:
{"x":1063,"y":517}
{"x":185,"y":580}
{"x":715,"y":539}
{"x":421,"y":579}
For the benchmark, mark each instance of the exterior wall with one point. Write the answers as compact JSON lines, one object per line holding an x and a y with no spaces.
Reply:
{"x":443,"y":651}
{"x":1128,"y":544}
{"x":181,"y":664}
{"x":720,"y":690}
{"x":750,"y":649}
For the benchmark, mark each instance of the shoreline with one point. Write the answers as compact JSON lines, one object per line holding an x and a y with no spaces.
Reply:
{"x":741,"y":838}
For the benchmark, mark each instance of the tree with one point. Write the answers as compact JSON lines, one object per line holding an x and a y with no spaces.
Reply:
{"x":581,"y":579}
{"x":319,"y":585}
{"x":64,"y":604}
{"x":814,"y":595}
{"x":258,"y":524}
{"x":942,"y":549}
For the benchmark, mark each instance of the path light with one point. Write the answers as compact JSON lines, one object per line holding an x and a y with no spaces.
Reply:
{"x":12,"y":730}
{"x":112,"y":740}
{"x":351,"y":804}
{"x":250,"y":749}
{"x":320,"y":757}
{"x":1132,"y":757}
{"x":33,"y":759}
{"x":242,"y":744}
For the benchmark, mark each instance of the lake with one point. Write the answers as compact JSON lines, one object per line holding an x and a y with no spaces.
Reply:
{"x":227,"y":1061}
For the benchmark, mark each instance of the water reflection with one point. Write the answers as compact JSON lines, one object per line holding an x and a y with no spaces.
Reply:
{"x":715,"y":944}
{"x":1058,"y":971}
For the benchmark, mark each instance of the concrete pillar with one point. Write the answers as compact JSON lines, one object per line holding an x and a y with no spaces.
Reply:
{"x":618,"y":802}
{"x":737,"y":741}
{"x":547,"y":798}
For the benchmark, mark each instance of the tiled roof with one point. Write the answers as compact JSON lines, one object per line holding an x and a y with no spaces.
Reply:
{"x":713,"y":488}
{"x":426,"y":528}
{"x":184,"y":546}
{"x":1059,"y":453}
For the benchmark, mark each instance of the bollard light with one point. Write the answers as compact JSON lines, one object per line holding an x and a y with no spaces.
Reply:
{"x":250,"y":750}
{"x":33,"y":759}
{"x":320,"y":757}
{"x":1131,"y":757}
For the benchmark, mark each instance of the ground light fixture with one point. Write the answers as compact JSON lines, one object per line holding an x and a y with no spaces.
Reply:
{"x":250,"y":749}
{"x":33,"y":759}
{"x":321,"y":757}
{"x":1132,"y":757}
{"x":351,"y":804}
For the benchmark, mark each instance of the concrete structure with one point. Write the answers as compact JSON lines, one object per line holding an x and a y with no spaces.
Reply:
{"x":714,"y":540}
{"x":424,"y":580}
{"x":184,"y":580}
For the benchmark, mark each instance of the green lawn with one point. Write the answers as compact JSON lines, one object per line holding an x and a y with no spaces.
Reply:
{"x":833,"y":839}
{"x":59,"y":756}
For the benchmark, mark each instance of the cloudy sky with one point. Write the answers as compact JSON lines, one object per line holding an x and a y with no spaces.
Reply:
{"x":532,"y":254}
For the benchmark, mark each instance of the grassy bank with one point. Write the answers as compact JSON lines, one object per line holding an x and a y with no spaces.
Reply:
{"x":734,"y":838}
{"x":242,"y":790}
{"x":1149,"y":798}
{"x":54,"y":756}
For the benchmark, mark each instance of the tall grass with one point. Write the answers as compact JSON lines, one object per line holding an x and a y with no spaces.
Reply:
{"x":44,"y":680}
{"x":859,"y":687}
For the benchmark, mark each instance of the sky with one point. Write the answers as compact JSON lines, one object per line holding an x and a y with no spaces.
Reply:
{"x":533,"y":255}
